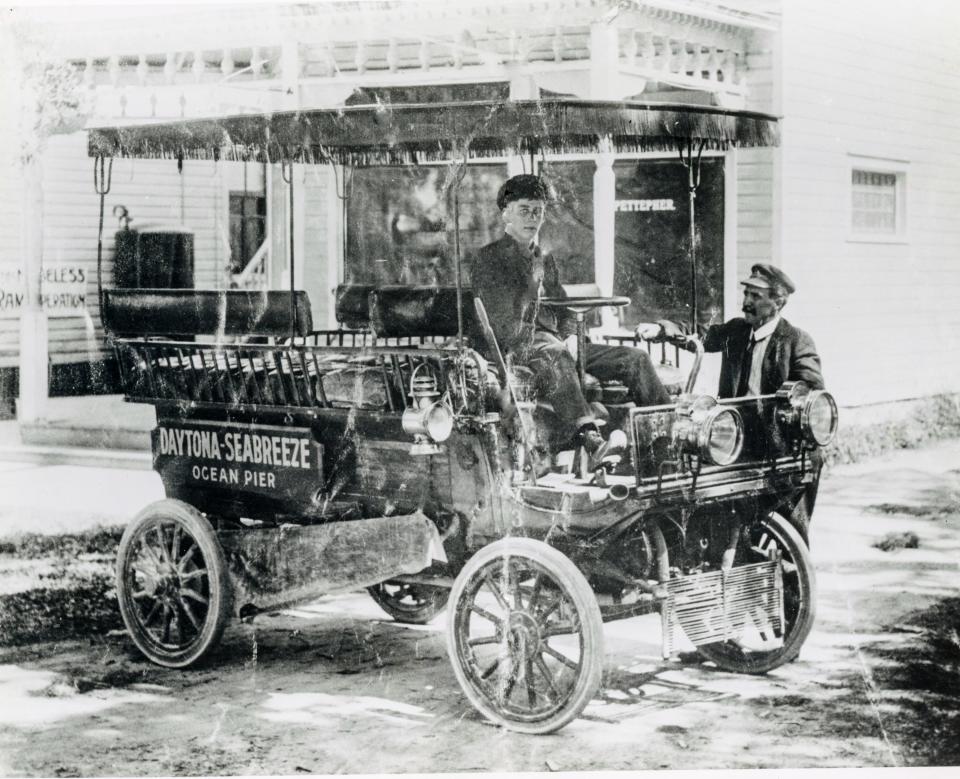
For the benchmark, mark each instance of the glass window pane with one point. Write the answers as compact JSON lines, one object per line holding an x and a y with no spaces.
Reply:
{"x":874,"y":202}
{"x":652,"y":263}
{"x":400,"y":222}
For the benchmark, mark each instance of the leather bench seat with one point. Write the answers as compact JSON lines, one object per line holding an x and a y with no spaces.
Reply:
{"x":186,"y":313}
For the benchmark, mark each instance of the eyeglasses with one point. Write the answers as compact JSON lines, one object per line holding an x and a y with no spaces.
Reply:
{"x":527,"y":213}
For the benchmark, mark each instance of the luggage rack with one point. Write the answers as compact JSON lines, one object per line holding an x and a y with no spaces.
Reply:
{"x":243,"y":375}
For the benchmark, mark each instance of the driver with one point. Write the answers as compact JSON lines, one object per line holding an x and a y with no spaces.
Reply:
{"x":510,"y":276}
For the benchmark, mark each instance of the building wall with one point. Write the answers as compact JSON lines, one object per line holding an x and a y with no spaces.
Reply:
{"x":755,"y":170}
{"x":316,"y":259}
{"x":11,"y":193}
{"x":152,"y":191}
{"x":879,"y":80}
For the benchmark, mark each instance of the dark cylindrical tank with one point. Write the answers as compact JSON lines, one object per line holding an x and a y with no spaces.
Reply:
{"x":154,"y":255}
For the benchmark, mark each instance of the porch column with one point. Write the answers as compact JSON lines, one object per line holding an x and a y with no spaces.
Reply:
{"x":604,"y":232}
{"x":604,"y":61}
{"x":34,"y":347}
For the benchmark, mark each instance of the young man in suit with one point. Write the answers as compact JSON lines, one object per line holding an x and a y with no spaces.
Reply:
{"x":510,"y":276}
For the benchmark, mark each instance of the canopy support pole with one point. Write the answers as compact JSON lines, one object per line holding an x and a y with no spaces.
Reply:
{"x":460,"y":170}
{"x":692,"y":164}
{"x":286,"y":171}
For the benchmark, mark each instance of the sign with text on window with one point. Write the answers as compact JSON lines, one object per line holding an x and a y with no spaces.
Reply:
{"x":63,"y":290}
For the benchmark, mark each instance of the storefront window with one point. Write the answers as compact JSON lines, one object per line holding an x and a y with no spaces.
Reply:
{"x":652,"y":264}
{"x":400,"y":222}
{"x":568,"y":230}
{"x":652,"y":235}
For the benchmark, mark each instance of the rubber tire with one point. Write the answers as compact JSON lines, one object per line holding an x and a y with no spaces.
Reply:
{"x":218,"y":614}
{"x":572,"y":580}
{"x":436,"y":602}
{"x":792,"y":544}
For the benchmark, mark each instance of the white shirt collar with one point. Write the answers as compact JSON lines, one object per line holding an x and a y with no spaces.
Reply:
{"x":765,"y":331}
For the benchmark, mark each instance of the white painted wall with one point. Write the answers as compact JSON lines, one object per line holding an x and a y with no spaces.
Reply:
{"x":11,"y":194}
{"x":152,"y":191}
{"x":882,"y":80}
{"x":318,"y":276}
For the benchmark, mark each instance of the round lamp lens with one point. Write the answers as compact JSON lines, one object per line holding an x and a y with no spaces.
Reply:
{"x":724,"y":437}
{"x":439,"y":422}
{"x":821,"y":418}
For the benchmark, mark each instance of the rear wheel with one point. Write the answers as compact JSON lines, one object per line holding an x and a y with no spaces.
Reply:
{"x":172,"y":584}
{"x":525,"y":636}
{"x":761,"y":648}
{"x":414,"y":604}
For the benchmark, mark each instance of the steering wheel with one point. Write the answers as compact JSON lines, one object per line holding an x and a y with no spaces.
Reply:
{"x":580,"y":306}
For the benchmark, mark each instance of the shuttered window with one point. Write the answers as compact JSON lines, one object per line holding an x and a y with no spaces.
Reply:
{"x":248,"y":220}
{"x":877,"y":209}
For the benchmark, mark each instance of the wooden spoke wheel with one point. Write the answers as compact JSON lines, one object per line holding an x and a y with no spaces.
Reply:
{"x":172,"y":584}
{"x":762,"y":648}
{"x":525,"y":636}
{"x":414,"y":604}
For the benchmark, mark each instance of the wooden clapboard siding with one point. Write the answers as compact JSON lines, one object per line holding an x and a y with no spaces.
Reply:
{"x":152,"y":191}
{"x":755,"y":192}
{"x":878,"y":80}
{"x":11,"y":194}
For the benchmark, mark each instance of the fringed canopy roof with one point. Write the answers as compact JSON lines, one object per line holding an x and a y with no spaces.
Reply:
{"x":405,"y":133}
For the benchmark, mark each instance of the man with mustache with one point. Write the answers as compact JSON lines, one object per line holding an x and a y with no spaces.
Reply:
{"x":762,"y":350}
{"x":511,"y":276}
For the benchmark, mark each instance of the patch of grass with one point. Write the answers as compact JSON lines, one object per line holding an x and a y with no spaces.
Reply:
{"x":933,"y":419}
{"x":70,"y":592}
{"x":893,"y":541}
{"x":83,"y":607}
{"x":28,"y":546}
{"x":905,"y":510}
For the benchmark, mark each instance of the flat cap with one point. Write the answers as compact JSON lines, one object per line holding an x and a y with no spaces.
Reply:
{"x":767,"y":276}
{"x":522,"y":187}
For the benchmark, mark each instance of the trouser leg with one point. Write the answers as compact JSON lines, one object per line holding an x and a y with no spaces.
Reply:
{"x":631,"y":366}
{"x":558,"y":384}
{"x":802,"y":512}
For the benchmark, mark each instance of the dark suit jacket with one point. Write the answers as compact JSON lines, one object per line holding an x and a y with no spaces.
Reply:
{"x":502,"y":277}
{"x":791,"y":356}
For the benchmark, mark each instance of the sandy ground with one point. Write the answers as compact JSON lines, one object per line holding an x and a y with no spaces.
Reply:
{"x":335,"y":687}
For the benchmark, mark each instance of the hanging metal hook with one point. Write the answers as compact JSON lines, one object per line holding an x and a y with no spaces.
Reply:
{"x":346,"y":190}
{"x":102,"y":177}
{"x":692,"y":165}
{"x":102,"y":174}
{"x":693,"y":182}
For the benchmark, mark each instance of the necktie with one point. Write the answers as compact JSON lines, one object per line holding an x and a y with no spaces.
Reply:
{"x":746,"y":366}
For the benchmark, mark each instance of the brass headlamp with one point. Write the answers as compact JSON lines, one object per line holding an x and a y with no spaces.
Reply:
{"x":708,"y":430}
{"x":428,"y":419}
{"x":810,"y":415}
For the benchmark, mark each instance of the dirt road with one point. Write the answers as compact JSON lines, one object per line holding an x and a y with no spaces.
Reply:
{"x":337,"y":688}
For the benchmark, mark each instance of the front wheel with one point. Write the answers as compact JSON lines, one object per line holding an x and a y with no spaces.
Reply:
{"x":525,"y":636}
{"x":760,"y":648}
{"x":172,"y":584}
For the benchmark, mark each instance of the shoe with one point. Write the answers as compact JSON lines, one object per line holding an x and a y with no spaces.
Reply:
{"x":591,"y":440}
{"x":600,"y":451}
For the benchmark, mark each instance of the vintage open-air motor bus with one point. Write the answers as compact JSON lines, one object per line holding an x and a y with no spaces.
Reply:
{"x":394,"y":453}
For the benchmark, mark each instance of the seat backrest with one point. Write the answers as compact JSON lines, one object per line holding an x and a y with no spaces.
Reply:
{"x":405,"y":311}
{"x":190,"y":312}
